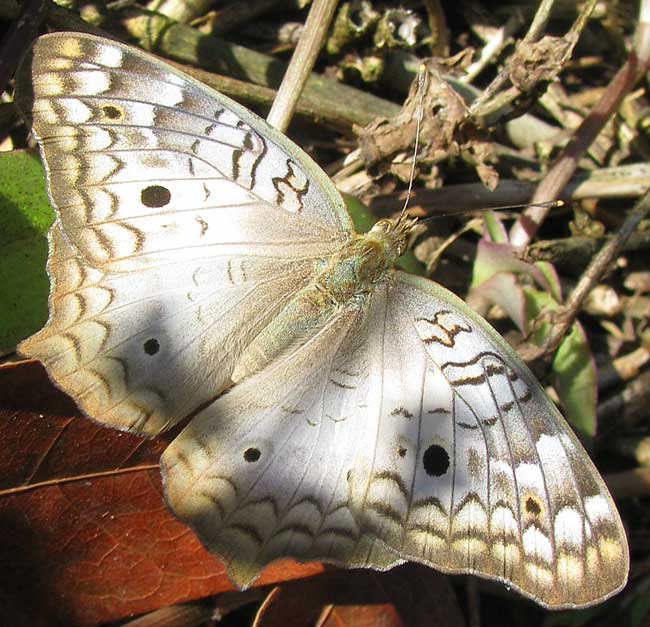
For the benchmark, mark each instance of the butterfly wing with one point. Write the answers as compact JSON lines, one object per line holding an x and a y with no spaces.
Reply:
{"x":184,"y":222}
{"x":472,"y":468}
{"x":409,"y":420}
{"x":261,"y":473}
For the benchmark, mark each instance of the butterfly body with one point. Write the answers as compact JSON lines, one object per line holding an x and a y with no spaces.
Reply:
{"x":375,"y":418}
{"x":345,"y":281}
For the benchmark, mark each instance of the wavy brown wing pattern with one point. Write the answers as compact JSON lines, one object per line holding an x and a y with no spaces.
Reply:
{"x":473,"y":467}
{"x":184,"y":222}
{"x":261,"y":473}
{"x":410,"y":421}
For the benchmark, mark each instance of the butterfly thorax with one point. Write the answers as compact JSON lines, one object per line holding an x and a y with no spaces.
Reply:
{"x":357,"y":267}
{"x":345,"y":282}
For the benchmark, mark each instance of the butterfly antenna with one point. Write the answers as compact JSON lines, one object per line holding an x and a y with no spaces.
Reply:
{"x":422,"y":81}
{"x":551,"y":204}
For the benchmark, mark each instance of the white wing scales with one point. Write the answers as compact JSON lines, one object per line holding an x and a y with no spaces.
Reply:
{"x":142,"y":352}
{"x":90,"y":93}
{"x":141,"y":180}
{"x":183,"y":224}
{"x":492,"y":480}
{"x":273,"y":482}
{"x":420,"y":428}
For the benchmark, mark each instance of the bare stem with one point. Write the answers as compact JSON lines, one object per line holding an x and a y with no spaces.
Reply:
{"x":491,"y":101}
{"x":560,"y":174}
{"x":598,"y":267}
{"x":536,"y":27}
{"x":19,"y":36}
{"x":304,"y":57}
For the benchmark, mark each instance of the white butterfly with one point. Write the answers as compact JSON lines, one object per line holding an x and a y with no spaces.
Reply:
{"x":375,"y":417}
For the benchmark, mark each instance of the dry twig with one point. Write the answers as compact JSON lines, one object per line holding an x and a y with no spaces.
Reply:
{"x":599,"y":266}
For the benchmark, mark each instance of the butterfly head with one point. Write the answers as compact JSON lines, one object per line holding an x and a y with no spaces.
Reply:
{"x":394,"y":234}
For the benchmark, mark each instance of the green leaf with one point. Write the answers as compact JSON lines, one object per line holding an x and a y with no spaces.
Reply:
{"x":25,"y":217}
{"x":553,"y":280}
{"x":492,"y":258}
{"x":495,"y":228}
{"x":504,"y":289}
{"x":576,"y":380}
{"x":574,"y":370}
{"x":362,"y":218}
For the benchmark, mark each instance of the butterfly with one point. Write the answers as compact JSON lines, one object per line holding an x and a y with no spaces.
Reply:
{"x":201,"y":264}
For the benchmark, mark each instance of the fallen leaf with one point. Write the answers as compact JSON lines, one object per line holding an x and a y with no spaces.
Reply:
{"x":446,"y":130}
{"x":407,"y":596}
{"x":85,"y":535}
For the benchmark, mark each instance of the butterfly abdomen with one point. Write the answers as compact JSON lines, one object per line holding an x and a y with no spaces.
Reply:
{"x":303,"y":316}
{"x":345,"y":283}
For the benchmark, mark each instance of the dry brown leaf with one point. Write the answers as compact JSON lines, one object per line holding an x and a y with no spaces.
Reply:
{"x":85,"y":535}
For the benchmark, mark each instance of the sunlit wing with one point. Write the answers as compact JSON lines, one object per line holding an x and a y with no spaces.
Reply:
{"x":183,"y":223}
{"x":411,"y":421}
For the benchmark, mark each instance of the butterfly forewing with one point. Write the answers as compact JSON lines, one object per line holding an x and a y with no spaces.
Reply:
{"x":143,"y":161}
{"x":184,"y":223}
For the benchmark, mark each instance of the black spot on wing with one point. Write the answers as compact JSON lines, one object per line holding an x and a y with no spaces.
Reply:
{"x":155,"y":196}
{"x":533,"y":506}
{"x":252,"y":454}
{"x":152,"y":346}
{"x":435,"y":460}
{"x":111,"y":112}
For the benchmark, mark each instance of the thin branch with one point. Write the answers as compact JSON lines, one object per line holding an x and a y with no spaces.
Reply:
{"x":539,"y":22}
{"x":625,"y":181}
{"x":493,"y":47}
{"x":187,"y":45}
{"x":304,"y":57}
{"x":538,"y":25}
{"x":559,"y":175}
{"x":19,"y":36}
{"x":491,"y":101}
{"x":599,"y":266}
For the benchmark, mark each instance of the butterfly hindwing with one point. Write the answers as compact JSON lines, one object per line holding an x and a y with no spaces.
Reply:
{"x":141,"y":352}
{"x":473,"y":469}
{"x":412,"y":423}
{"x":261,"y":473}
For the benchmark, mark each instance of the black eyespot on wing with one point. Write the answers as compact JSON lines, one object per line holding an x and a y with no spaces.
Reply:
{"x":435,"y":461}
{"x":401,"y":451}
{"x":152,"y":346}
{"x":112,"y":112}
{"x":533,"y":507}
{"x":155,"y":196}
{"x":252,"y":454}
